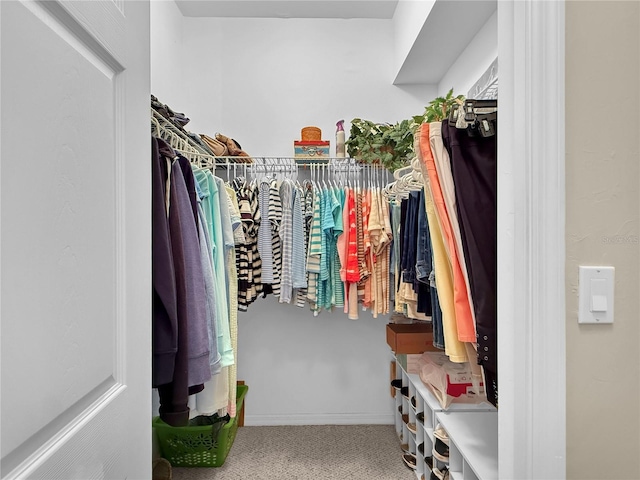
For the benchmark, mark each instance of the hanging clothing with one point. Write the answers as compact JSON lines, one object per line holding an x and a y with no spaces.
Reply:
{"x":236,"y":224}
{"x":464,"y":323}
{"x":164,"y":294}
{"x":212,"y":207}
{"x":248,"y":261}
{"x":275,"y":218}
{"x":206,"y":247}
{"x":190,"y":359}
{"x":287,"y":190}
{"x":337,"y":289}
{"x":474,"y":166}
{"x":314,"y":252}
{"x":265,"y":246}
{"x":298,"y":254}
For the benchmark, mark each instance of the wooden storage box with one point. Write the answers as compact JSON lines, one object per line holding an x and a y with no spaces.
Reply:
{"x":410,"y":337}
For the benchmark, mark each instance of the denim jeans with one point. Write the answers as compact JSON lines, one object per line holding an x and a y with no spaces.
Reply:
{"x":423,"y":258}
{"x":423,"y":251}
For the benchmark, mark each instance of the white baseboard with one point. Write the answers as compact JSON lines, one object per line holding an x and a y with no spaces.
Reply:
{"x":319,"y":419}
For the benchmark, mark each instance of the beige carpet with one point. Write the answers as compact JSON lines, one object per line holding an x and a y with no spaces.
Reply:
{"x":327,"y":452}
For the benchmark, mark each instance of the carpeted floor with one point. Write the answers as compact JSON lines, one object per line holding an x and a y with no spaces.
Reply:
{"x":325,"y":452}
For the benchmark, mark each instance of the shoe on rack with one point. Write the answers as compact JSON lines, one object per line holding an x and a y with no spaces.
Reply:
{"x":409,"y":460}
{"x":405,"y":392}
{"x":421,"y":448}
{"x":413,"y":403}
{"x":405,"y":418}
{"x":442,"y":434}
{"x":412,"y":427}
{"x":429,"y":461}
{"x":437,"y":474}
{"x":404,"y":447}
{"x":441,"y":451}
{"x":397,"y":383}
{"x":420,"y":417}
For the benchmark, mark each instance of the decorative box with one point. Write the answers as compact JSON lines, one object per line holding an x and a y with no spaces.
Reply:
{"x":311,"y":150}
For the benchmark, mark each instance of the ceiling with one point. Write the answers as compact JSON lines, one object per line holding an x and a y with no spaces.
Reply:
{"x":448,"y":30}
{"x":288,"y":8}
{"x":450,"y":26}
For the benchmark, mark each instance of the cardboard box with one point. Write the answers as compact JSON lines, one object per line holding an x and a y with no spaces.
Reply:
{"x":410,"y":337}
{"x":312,"y":150}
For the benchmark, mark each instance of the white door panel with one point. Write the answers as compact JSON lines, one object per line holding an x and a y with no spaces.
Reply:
{"x":75,"y":240}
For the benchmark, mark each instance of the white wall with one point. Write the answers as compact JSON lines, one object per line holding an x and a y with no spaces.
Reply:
{"x":473,"y":61}
{"x":262,"y":80}
{"x":408,"y":20}
{"x":313,"y":370}
{"x":166,"y":52}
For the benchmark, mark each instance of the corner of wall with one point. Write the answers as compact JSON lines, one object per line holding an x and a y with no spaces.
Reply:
{"x":166,"y":51}
{"x":473,"y":61}
{"x":408,"y":19}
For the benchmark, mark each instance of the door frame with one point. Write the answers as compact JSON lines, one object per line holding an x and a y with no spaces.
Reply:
{"x":531,"y":240}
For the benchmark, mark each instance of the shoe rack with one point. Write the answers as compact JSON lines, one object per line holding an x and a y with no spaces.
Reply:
{"x":472,"y":430}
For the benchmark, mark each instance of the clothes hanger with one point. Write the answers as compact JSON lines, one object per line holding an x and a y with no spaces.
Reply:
{"x":324,"y":170}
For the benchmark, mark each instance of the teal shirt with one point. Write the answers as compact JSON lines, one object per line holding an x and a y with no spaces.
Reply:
{"x":212,"y":209}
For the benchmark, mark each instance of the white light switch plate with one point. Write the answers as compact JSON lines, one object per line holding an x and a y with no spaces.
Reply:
{"x":596,"y":295}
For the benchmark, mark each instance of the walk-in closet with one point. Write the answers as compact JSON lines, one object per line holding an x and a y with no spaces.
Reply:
{"x":200,"y":281}
{"x":264,"y":80}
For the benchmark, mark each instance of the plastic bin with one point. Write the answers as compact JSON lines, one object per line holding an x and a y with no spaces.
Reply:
{"x":196,"y":446}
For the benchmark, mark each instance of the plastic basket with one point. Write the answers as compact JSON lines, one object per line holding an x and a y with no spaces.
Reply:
{"x":196,"y":446}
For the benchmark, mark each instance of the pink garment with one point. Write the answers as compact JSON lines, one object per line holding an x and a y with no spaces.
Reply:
{"x":352,"y":274}
{"x":343,"y":240}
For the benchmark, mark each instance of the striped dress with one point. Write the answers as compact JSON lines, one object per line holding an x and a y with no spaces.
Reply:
{"x":265,"y":246}
{"x":307,"y":215}
{"x":286,"y":240}
{"x":275,"y":217}
{"x":248,"y":261}
{"x":298,"y":264}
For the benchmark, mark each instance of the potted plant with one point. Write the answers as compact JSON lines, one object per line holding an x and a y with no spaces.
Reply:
{"x":392,"y":145}
{"x":380,"y":143}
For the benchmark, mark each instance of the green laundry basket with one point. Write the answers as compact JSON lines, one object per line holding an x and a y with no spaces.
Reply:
{"x":196,"y":446}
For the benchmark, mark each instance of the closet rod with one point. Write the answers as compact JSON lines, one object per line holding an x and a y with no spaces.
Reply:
{"x":284,"y":160}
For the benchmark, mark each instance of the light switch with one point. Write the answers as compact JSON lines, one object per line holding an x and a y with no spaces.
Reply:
{"x":596,"y":295}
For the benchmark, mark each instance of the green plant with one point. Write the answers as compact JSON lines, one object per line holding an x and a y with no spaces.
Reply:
{"x":380,"y":143}
{"x":439,"y":108}
{"x":392,"y":145}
